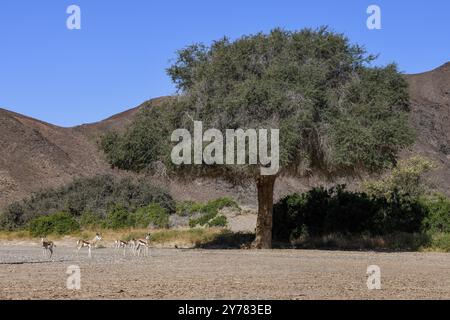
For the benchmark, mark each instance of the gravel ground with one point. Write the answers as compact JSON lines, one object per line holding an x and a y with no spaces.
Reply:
{"x":222,"y":274}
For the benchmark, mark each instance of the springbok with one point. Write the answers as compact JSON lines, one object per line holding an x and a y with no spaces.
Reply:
{"x":141,"y":243}
{"x":89,"y":244}
{"x":133,"y":245}
{"x":47,"y":248}
{"x":120,"y":244}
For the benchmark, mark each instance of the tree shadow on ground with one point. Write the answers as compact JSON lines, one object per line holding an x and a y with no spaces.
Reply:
{"x":391,"y":243}
{"x":229,"y":240}
{"x":399,"y":242}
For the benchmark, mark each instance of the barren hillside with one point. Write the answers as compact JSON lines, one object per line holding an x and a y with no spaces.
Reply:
{"x":430,"y":103}
{"x":36,"y":155}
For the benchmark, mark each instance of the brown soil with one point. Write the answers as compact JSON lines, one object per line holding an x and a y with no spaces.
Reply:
{"x":223,"y":274}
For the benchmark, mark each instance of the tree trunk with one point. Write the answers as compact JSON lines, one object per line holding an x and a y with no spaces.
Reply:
{"x":265,"y":186}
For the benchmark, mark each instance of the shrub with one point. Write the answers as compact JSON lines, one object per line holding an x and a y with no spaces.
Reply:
{"x":326,"y":211}
{"x":407,"y":179}
{"x":352,"y":212}
{"x":118,"y":218}
{"x":209,"y":212}
{"x":41,"y":227}
{"x":219,"y":221}
{"x":202,"y":220}
{"x":210,"y":220}
{"x":438,"y":217}
{"x":401,"y":214}
{"x":88,"y":219}
{"x":12,"y":218}
{"x":440,"y":241}
{"x":220,"y":203}
{"x":97,"y":194}
{"x":58,"y":223}
{"x":188,"y":208}
{"x":151,"y":215}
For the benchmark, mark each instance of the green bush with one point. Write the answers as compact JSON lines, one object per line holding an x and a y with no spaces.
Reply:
{"x":209,"y":212}
{"x":118,"y":218}
{"x":326,"y":211}
{"x":440,"y":241}
{"x":220,"y":203}
{"x":406,"y":179}
{"x":219,"y":221}
{"x":438,"y":217}
{"x":202,"y":220}
{"x":41,"y":227}
{"x":12,"y":218}
{"x":153,"y":214}
{"x":210,"y":220}
{"x":58,"y":223}
{"x":188,"y":208}
{"x":90,"y":220}
{"x":97,"y":194}
{"x":401,"y":214}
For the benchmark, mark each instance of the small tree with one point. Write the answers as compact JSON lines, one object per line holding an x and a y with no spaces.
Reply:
{"x":336,"y":114}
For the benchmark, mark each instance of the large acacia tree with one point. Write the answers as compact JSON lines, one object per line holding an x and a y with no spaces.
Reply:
{"x":336,"y":114}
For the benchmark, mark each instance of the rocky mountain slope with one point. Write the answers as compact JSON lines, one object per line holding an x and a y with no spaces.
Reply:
{"x":430,"y":103}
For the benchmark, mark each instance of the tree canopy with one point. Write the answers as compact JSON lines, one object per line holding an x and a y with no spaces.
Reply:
{"x":335,"y":113}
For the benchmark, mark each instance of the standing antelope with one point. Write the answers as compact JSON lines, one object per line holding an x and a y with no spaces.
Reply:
{"x":82,"y":243}
{"x":47,"y":248}
{"x":141,"y":243}
{"x":133,"y":245}
{"x":120,"y":244}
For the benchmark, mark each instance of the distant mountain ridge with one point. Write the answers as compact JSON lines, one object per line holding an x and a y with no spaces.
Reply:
{"x":36,"y":155}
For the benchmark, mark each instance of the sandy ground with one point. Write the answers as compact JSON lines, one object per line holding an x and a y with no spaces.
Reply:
{"x":222,"y":274}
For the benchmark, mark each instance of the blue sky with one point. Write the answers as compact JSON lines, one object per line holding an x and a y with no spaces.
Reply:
{"x":118,"y":59}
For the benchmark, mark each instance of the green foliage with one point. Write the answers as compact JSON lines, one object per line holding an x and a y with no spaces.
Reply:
{"x":220,"y":203}
{"x":117,"y":218}
{"x":395,"y":204}
{"x":151,"y":215}
{"x":203,"y":220}
{"x":438,"y":218}
{"x":12,"y":218}
{"x":95,"y":195}
{"x":440,"y":241}
{"x":209,"y":212}
{"x":188,"y":208}
{"x":329,"y":211}
{"x":405,"y":179}
{"x":90,"y":220}
{"x":336,"y":211}
{"x":41,"y":226}
{"x":218,"y":221}
{"x":335,"y":113}
{"x":142,"y":144}
{"x":59,"y":223}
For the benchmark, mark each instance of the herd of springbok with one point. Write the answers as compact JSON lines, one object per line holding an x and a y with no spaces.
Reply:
{"x":136,"y":246}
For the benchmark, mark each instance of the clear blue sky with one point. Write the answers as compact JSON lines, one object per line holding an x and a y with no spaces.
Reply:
{"x":118,"y":59}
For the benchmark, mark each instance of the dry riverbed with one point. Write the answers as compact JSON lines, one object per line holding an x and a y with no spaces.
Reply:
{"x":222,"y":274}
